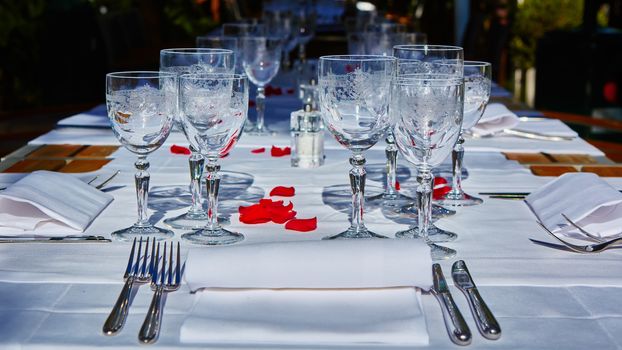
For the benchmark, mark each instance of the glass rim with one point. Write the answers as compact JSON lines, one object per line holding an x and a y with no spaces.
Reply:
{"x":361,"y":58}
{"x":141,"y":74}
{"x":214,"y":36}
{"x":468,"y":63}
{"x":427,"y":47}
{"x":195,"y":50}
{"x":209,"y":76}
{"x":428,"y":77}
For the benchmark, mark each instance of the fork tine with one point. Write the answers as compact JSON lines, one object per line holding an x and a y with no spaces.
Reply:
{"x":170,"y":266}
{"x":139,"y":251}
{"x":163,"y":266}
{"x":571,"y":246}
{"x":143,"y":269}
{"x":93,"y":179}
{"x":105,"y":182}
{"x":590,"y":235}
{"x":154,"y":265}
{"x":130,"y":262}
{"x":178,"y":269}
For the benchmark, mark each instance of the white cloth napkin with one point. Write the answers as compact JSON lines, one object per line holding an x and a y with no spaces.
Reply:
{"x":496,"y":117}
{"x":585,"y":199}
{"x":309,"y":293}
{"x":50,"y":201}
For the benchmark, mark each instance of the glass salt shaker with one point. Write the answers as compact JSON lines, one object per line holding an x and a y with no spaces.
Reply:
{"x":307,"y":131}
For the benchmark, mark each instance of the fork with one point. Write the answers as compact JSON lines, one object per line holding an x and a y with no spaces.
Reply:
{"x":105,"y":182}
{"x":166,"y":281}
{"x":590,"y":248}
{"x":133,"y":275}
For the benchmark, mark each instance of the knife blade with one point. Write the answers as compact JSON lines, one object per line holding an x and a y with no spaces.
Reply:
{"x":458,"y":330}
{"x":62,"y":239}
{"x":484,"y":319}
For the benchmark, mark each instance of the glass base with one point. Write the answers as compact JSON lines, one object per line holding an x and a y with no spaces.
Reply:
{"x":437,"y":211}
{"x":265,"y":131}
{"x":135,"y":231}
{"x":441,"y":253}
{"x":188,"y":221}
{"x":435,"y":234}
{"x":395,"y":200}
{"x":218,"y":236}
{"x":460,"y":199}
{"x":353,"y":233}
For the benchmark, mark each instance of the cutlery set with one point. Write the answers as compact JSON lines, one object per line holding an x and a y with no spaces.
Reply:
{"x":457,"y":328}
{"x":164,"y":276}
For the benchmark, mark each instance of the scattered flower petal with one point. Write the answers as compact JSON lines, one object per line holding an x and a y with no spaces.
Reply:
{"x":397,"y":185}
{"x":283,"y":191}
{"x":302,"y":225}
{"x":175,"y":149}
{"x":258,"y":150}
{"x":280,"y":152}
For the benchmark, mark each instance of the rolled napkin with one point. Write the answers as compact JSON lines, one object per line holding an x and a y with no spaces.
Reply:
{"x":50,"y":202}
{"x":331,"y":293}
{"x":496,"y":117}
{"x":585,"y":199}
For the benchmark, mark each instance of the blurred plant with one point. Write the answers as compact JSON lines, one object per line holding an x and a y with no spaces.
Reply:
{"x":536,"y":17}
{"x":19,"y":28}
{"x":193,"y":17}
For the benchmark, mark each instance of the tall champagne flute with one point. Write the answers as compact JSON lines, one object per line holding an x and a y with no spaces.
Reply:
{"x":354,"y":100}
{"x":261,"y":60}
{"x":141,"y":107}
{"x":427,"y":104}
{"x":195,"y":60}
{"x":477,"y":83}
{"x":213,"y":110}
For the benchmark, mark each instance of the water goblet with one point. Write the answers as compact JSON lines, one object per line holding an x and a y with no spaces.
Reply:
{"x":194,"y":60}
{"x":222,"y":42}
{"x":261,"y":60}
{"x":477,"y":83}
{"x":141,"y":108}
{"x":354,"y":103}
{"x":427,"y":104}
{"x":213,"y":110}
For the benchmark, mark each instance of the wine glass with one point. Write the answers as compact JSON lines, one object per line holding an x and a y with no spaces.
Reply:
{"x":222,"y":42}
{"x":213,"y":110}
{"x":194,"y":60}
{"x":261,"y":60}
{"x":477,"y":82}
{"x":240,"y":29}
{"x":427,"y":104}
{"x":354,"y":102}
{"x":141,"y":108}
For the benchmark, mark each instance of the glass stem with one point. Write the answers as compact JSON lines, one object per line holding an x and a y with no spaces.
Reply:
{"x":456,"y":159}
{"x":260,"y":100}
{"x":302,"y":53}
{"x":424,"y":201}
{"x":142,"y":190}
{"x":357,"y":182}
{"x":213,"y":183}
{"x":391,"y":153}
{"x":196,"y":162}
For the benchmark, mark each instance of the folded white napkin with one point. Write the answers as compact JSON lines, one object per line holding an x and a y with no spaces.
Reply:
{"x":585,"y":199}
{"x":309,"y":293}
{"x":496,"y":117}
{"x":49,"y":201}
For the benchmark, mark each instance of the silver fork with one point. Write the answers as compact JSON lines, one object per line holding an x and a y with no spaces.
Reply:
{"x":166,"y":281}
{"x":590,"y":248}
{"x":105,"y":182}
{"x":134,"y":274}
{"x":588,"y":234}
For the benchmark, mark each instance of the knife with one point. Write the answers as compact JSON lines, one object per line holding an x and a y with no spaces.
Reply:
{"x":486,"y":322}
{"x":63,"y":239}
{"x":458,"y":331}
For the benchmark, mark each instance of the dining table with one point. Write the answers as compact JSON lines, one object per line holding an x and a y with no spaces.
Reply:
{"x":543,"y":296}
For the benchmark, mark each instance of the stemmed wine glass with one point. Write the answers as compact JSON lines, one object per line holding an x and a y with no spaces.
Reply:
{"x":141,"y":107}
{"x":261,"y":60}
{"x":354,"y":99}
{"x":477,"y":82}
{"x":213,"y":110}
{"x":195,"y":60}
{"x":222,"y":42}
{"x":427,"y":104}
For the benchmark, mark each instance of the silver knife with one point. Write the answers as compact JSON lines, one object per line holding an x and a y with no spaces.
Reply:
{"x":63,"y":239}
{"x":485,"y":320}
{"x":458,"y":330}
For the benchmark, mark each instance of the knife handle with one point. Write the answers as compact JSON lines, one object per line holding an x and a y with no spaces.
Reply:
{"x":485,"y":320}
{"x":458,"y":330}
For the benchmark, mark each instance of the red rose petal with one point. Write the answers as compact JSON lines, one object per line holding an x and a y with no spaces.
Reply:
{"x":280,"y":152}
{"x":397,"y":185}
{"x":277,"y":91}
{"x":290,"y":91}
{"x":175,"y":149}
{"x":251,"y":103}
{"x":281,"y":218}
{"x":302,"y":225}
{"x":283,"y":191}
{"x":258,"y":150}
{"x":439,"y":182}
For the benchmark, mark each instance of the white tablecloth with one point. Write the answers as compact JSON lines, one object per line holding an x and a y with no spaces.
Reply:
{"x":59,"y":295}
